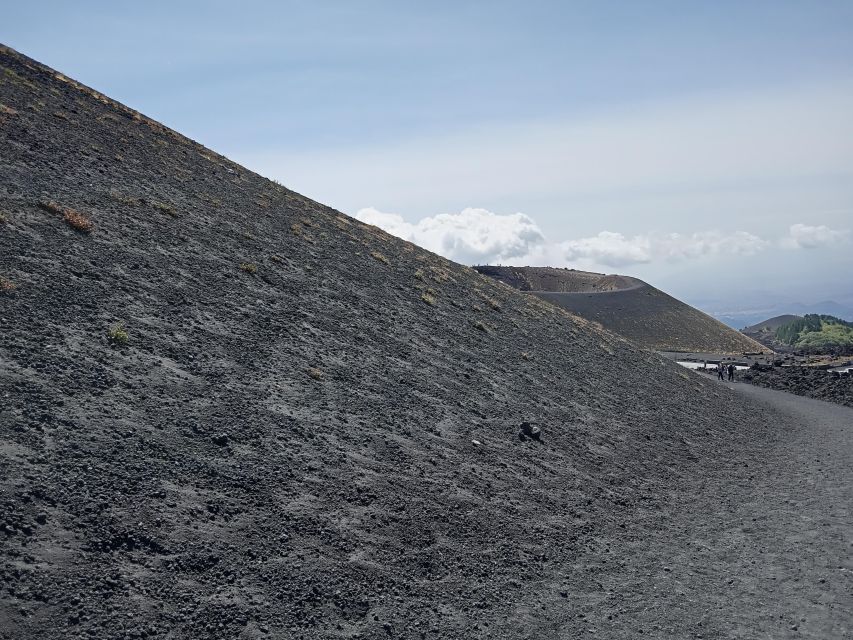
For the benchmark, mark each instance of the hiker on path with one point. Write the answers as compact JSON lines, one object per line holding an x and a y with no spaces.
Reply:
{"x":720,"y":368}
{"x":731,"y":372}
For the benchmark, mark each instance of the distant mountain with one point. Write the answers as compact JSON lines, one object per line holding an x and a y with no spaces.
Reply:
{"x":627,"y":306}
{"x":770,"y":325}
{"x":739,"y":319}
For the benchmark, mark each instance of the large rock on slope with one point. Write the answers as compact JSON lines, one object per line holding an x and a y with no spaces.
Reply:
{"x":230,"y":411}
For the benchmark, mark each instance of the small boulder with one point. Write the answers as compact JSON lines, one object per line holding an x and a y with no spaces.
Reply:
{"x":527,"y":430}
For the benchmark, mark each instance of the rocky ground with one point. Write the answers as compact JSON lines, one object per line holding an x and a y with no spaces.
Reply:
{"x":231,"y":412}
{"x":804,"y":381}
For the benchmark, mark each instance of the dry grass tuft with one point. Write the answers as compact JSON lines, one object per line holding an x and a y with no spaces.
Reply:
{"x":77,"y":220}
{"x":72,"y":218}
{"x":315,"y":373}
{"x":249,"y":267}
{"x":427,"y":297}
{"x":118,"y":335}
{"x":128,"y":200}
{"x":11,"y":76}
{"x":525,"y":355}
{"x":277,"y":259}
{"x":165,"y":208}
{"x":7,"y":111}
{"x":419,"y":274}
{"x":7,"y":285}
{"x":3,"y":218}
{"x":481,"y":326}
{"x":440,"y":274}
{"x":380,"y":257}
{"x":216,"y":202}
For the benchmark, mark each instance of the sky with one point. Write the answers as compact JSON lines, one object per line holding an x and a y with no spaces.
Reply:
{"x":706,"y":147}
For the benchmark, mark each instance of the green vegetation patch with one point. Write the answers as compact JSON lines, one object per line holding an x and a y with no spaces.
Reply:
{"x":817,"y":333}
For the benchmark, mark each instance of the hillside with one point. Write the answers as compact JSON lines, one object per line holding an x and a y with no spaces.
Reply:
{"x":815,"y":333}
{"x":558,"y":280}
{"x":232,"y":412}
{"x":769,"y":326}
{"x":629,"y":307}
{"x":810,"y":334}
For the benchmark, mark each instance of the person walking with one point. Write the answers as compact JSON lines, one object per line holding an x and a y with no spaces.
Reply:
{"x":731,"y":372}
{"x":720,"y":368}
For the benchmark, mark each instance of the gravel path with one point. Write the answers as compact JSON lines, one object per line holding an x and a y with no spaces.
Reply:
{"x":756,"y":544}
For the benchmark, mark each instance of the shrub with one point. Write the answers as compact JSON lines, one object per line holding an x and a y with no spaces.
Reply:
{"x":7,"y":285}
{"x":315,"y":373}
{"x":249,"y":267}
{"x":3,"y":218}
{"x":380,"y":257}
{"x":427,"y":297}
{"x":118,"y":335}
{"x":419,"y":274}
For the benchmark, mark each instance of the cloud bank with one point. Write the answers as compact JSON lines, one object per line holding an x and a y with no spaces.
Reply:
{"x":479,"y":236}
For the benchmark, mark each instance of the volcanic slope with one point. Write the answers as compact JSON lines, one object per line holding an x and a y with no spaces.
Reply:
{"x":629,"y":307}
{"x":769,"y":326}
{"x":229,"y":411}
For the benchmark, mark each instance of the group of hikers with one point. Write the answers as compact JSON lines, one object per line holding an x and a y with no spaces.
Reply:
{"x":722,"y":370}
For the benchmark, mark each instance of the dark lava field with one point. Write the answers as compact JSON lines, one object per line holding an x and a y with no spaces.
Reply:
{"x":228,"y":411}
{"x":804,"y":381}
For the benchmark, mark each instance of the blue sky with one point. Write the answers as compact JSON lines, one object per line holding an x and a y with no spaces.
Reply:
{"x":704,"y":146}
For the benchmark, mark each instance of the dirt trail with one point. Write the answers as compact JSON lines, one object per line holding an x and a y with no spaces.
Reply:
{"x":756,"y":544}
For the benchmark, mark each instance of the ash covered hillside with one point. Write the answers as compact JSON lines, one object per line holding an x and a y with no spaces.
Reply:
{"x":230,"y":411}
{"x":629,"y":307}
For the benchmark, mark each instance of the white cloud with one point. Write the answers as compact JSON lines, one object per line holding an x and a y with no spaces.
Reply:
{"x":804,"y":236}
{"x":608,"y":248}
{"x":478,"y":236}
{"x":472,"y":236}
